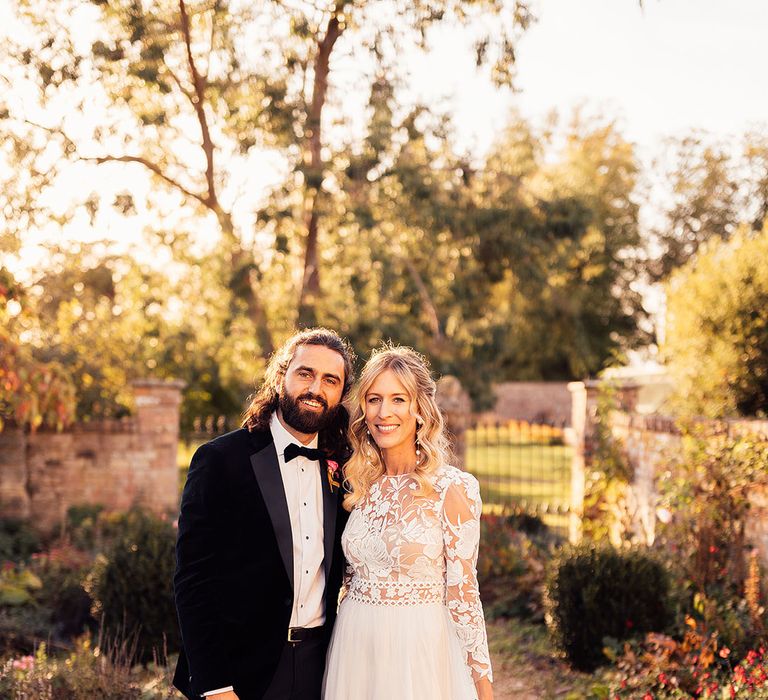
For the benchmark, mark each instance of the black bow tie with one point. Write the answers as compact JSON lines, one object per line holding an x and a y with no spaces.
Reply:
{"x":293,"y":450}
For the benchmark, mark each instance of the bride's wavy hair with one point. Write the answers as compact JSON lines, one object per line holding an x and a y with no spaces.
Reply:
{"x":366,"y":464}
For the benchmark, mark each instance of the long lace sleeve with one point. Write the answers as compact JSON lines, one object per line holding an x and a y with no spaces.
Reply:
{"x":461,"y":534}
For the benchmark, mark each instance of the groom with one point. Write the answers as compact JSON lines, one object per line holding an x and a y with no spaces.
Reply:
{"x":259,"y":560}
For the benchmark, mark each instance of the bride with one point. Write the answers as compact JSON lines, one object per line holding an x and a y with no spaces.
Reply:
{"x":411,"y":624}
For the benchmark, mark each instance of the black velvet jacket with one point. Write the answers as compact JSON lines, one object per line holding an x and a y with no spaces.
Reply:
{"x":234,"y":574}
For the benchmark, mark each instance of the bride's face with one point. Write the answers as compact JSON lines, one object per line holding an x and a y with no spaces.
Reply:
{"x":388,"y":414}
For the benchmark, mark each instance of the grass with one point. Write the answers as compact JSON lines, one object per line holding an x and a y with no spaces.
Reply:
{"x":527,"y":667}
{"x":522,"y":466}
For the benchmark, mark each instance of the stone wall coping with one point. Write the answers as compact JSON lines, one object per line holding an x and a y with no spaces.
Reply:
{"x":668,"y":424}
{"x":150,"y":383}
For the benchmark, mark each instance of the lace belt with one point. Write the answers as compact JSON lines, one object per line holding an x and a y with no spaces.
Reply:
{"x":396,"y":592}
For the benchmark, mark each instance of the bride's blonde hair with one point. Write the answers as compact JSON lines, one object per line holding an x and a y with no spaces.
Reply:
{"x":366,"y":464}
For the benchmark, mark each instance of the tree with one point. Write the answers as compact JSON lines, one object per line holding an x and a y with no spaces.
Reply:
{"x":566,"y":301}
{"x":32,"y":394}
{"x":110,"y":319}
{"x":717,"y":330}
{"x":704,"y":203}
{"x":194,"y":98}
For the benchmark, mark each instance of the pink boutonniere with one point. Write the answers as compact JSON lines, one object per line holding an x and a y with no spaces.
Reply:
{"x":334,"y":474}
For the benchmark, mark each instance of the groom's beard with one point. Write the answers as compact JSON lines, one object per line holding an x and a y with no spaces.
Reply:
{"x":302,"y":419}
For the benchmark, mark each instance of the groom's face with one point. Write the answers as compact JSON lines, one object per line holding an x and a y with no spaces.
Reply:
{"x":312,"y":389}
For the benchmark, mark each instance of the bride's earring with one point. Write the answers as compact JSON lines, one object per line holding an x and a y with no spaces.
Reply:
{"x":419,"y":422}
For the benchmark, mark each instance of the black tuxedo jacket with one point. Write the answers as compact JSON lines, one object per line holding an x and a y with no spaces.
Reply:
{"x":234,"y":574}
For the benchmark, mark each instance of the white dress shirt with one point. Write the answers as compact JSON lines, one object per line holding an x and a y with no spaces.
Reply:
{"x":304,"y":493}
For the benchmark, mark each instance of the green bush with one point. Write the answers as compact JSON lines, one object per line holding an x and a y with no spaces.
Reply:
{"x":63,"y":570}
{"x":18,"y":541}
{"x":597,"y":593}
{"x":514,"y":550}
{"x":131,"y":584}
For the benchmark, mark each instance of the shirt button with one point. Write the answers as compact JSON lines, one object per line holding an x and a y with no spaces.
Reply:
{"x":307,"y":571}
{"x":305,"y":503}
{"x":307,"y":536}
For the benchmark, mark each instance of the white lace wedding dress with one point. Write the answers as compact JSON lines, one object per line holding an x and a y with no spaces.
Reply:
{"x":410,"y":626}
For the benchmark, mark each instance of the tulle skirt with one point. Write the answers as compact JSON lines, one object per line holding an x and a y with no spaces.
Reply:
{"x":382,"y":652}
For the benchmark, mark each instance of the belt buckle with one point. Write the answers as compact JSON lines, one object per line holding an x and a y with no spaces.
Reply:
{"x":291,"y":639}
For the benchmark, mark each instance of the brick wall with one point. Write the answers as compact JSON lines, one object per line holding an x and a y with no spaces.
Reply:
{"x":115,"y":463}
{"x":535,"y":402}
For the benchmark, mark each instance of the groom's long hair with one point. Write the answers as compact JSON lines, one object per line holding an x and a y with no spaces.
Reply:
{"x":264,"y":401}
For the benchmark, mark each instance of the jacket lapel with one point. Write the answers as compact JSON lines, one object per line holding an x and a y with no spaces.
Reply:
{"x":267,"y":471}
{"x":330,"y":508}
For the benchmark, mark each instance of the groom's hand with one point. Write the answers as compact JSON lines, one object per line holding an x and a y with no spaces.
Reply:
{"x":226,"y":695}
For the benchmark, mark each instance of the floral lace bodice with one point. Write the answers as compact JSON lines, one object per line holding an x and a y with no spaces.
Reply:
{"x":404,"y":549}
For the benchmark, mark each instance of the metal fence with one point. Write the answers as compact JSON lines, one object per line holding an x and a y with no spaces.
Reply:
{"x":522,"y":467}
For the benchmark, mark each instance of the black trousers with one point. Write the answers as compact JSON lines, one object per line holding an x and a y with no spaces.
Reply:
{"x":299,"y":674}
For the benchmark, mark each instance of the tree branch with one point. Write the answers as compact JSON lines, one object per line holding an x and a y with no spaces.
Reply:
{"x":426,"y":300}
{"x":198,"y":103}
{"x":153,"y":167}
{"x":178,"y":82}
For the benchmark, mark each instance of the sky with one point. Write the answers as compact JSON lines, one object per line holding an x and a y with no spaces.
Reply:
{"x":661,"y":69}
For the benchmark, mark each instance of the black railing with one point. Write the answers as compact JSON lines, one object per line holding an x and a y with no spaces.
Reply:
{"x":522,"y":467}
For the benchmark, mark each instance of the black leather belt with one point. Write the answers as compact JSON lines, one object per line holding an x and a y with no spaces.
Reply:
{"x":303,"y":634}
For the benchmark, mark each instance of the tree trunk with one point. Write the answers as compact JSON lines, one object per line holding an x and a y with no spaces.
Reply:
{"x":244,"y":281}
{"x":310,"y":284}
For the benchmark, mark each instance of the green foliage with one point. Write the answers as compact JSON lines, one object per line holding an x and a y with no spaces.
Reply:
{"x":111,"y":320}
{"x":605,"y":516}
{"x":18,"y":540}
{"x":131,"y":585}
{"x":717,"y":329}
{"x":704,"y":204}
{"x":63,"y":569}
{"x":514,"y":550}
{"x":17,"y":586}
{"x":706,"y":490}
{"x":32,"y":393}
{"x":598,"y":593}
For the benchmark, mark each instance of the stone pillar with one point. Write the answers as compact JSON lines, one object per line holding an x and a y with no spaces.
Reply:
{"x":456,"y":407}
{"x":14,"y":497}
{"x":157,"y":419}
{"x":583,"y":418}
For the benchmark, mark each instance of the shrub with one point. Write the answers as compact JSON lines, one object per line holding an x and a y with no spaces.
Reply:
{"x":63,"y":569}
{"x":512,"y":563}
{"x":594,"y":593}
{"x":131,"y":584}
{"x":91,"y":671}
{"x":18,"y":540}
{"x":697,"y":666}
